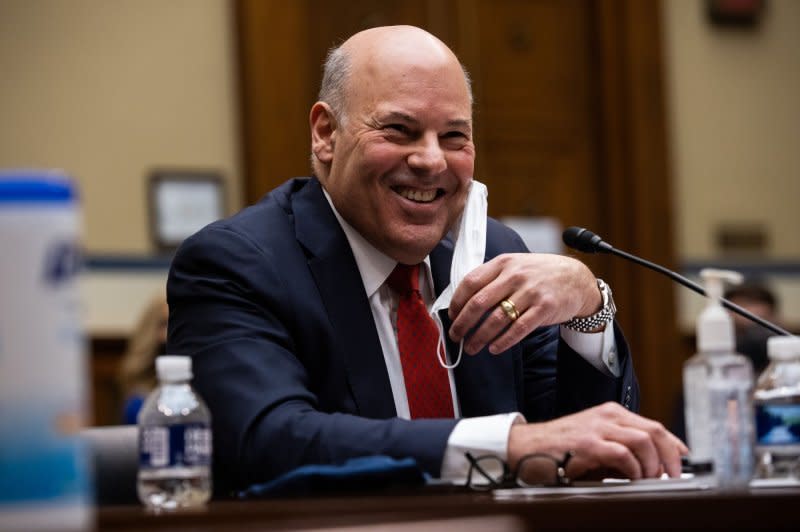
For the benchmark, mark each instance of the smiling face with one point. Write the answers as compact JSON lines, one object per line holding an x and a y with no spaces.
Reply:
{"x":399,"y":162}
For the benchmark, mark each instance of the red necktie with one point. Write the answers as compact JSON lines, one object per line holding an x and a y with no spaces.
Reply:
{"x":427,"y":382}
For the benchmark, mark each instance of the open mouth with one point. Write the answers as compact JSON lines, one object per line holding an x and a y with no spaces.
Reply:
{"x":417,"y":195}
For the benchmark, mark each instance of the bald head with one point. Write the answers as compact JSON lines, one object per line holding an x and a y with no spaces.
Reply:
{"x":397,"y":42}
{"x":367,"y":53}
{"x":391,"y":138}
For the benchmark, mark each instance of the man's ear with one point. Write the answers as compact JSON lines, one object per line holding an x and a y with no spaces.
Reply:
{"x":323,"y":130}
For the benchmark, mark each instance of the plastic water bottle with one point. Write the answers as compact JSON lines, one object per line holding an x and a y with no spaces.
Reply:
{"x":174,"y":440}
{"x":718,"y":384}
{"x":44,"y":472}
{"x":777,"y":405}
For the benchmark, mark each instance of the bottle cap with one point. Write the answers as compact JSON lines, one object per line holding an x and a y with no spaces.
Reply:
{"x":172,"y":368}
{"x":783,"y":347}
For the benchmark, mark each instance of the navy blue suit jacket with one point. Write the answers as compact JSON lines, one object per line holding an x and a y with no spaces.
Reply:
{"x":271,"y":306}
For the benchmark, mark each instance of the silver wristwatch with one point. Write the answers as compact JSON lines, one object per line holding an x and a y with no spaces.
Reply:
{"x":598,"y":319}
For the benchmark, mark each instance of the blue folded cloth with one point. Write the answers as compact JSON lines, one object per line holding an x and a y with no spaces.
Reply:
{"x":365,"y":473}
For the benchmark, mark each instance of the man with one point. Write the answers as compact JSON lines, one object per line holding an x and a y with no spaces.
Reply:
{"x":289,"y":310}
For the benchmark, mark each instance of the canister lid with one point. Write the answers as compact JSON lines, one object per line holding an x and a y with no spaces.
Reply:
{"x":36,"y":186}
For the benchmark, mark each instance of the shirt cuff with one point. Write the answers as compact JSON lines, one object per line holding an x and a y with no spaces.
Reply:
{"x":479,"y":436}
{"x":599,"y":349}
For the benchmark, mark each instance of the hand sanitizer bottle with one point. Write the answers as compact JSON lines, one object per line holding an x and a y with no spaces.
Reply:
{"x":718,"y":384}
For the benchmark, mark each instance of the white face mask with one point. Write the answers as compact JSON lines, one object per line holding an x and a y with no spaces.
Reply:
{"x":470,"y":248}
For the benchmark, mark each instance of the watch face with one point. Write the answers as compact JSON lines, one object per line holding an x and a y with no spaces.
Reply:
{"x":608,"y":300}
{"x":603,"y":291}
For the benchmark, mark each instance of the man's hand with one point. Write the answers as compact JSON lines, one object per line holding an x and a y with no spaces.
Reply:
{"x":545,"y":289}
{"x":605,"y":438}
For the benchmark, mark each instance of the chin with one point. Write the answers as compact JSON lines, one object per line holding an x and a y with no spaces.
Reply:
{"x":414,"y":251}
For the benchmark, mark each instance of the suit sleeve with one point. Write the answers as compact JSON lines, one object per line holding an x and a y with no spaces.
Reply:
{"x":557,"y":381}
{"x":232,"y":311}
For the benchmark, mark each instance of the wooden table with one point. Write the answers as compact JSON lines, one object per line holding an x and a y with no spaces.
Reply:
{"x":458,"y":512}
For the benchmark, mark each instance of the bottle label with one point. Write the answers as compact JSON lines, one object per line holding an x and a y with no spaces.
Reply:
{"x":175,"y":445}
{"x":778,"y":425}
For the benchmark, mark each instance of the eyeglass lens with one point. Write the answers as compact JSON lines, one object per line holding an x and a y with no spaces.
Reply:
{"x":487,"y":472}
{"x":537,"y":470}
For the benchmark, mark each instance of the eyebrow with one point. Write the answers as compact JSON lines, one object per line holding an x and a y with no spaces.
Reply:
{"x":398,"y":115}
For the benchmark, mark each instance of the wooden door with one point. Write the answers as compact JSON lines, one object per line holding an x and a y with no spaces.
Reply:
{"x":569,"y":123}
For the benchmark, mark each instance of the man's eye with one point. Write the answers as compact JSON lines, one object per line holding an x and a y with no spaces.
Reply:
{"x":399,"y":128}
{"x":454,"y":139}
{"x":454,"y":135}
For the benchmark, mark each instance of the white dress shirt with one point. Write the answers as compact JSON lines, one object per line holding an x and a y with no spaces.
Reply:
{"x":479,"y":435}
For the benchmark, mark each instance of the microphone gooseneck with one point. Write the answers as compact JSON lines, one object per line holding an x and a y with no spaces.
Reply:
{"x":588,"y":242}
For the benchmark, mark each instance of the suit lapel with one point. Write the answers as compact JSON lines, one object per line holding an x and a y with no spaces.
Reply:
{"x":336,"y":274}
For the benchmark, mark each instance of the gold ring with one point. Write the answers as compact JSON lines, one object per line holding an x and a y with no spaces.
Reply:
{"x":509,"y":309}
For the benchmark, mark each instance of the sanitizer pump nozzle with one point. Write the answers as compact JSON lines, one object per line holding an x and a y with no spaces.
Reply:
{"x":715,"y":326}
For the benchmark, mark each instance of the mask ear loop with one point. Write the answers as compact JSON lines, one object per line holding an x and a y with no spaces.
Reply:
{"x":441,"y":347}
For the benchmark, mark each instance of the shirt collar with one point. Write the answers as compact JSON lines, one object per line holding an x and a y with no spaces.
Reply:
{"x":373,"y":265}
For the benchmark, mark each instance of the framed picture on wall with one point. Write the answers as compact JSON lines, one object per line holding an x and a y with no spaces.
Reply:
{"x":181,"y":202}
{"x":735,"y":13}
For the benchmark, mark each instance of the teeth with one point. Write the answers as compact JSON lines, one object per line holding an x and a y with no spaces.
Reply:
{"x":422,"y":196}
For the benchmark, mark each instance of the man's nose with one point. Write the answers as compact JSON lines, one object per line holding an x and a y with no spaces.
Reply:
{"x":427,"y":155}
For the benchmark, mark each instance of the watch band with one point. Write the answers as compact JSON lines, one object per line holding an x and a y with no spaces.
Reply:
{"x":603,"y":317}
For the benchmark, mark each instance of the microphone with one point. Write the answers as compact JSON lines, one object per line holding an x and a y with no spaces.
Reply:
{"x":584,"y":240}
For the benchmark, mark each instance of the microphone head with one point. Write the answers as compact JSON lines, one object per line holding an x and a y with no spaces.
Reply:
{"x":584,"y":240}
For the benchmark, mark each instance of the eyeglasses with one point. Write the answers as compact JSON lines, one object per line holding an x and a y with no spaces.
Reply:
{"x":489,"y":472}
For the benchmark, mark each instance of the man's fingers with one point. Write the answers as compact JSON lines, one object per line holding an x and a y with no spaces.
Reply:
{"x":642,"y":446}
{"x":473,"y":283}
{"x":467,"y":315}
{"x":608,"y":455}
{"x":670,"y":449}
{"x":494,"y":324}
{"x":499,"y":329}
{"x":667,"y":447}
{"x":515,"y":334}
